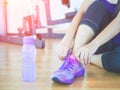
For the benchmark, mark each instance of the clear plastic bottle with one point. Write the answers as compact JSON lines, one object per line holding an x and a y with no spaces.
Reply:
{"x":28,"y":59}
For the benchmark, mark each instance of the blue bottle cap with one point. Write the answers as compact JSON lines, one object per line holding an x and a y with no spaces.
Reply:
{"x":28,"y":40}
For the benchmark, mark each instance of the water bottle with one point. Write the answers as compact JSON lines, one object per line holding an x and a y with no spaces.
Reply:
{"x":28,"y":59}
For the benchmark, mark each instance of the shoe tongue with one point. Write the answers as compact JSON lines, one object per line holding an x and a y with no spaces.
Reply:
{"x":73,"y":58}
{"x":65,"y":63}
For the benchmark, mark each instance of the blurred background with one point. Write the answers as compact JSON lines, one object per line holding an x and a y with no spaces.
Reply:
{"x":50,"y":18}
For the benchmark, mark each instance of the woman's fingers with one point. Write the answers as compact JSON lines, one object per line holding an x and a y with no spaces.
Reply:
{"x":62,"y":53}
{"x":84,"y":56}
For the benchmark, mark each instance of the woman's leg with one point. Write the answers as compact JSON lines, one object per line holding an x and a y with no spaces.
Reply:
{"x":83,"y":36}
{"x":109,"y":59}
{"x":90,"y":24}
{"x":96,"y":60}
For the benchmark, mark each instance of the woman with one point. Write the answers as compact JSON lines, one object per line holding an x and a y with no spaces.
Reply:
{"x":93,"y":37}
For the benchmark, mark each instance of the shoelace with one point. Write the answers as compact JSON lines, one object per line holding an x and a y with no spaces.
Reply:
{"x":65,"y":64}
{"x":71,"y":65}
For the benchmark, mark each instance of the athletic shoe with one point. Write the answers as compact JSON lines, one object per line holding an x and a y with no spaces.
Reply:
{"x":70,"y":69}
{"x":64,"y":65}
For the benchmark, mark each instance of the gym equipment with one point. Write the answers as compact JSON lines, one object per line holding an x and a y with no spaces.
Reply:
{"x":28,"y":29}
{"x":51,"y":22}
{"x":66,"y":2}
{"x":29,"y":25}
{"x":35,"y":20}
{"x":19,"y":40}
{"x":32,"y":22}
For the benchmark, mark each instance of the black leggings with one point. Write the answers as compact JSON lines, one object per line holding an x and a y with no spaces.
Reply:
{"x":98,"y":17}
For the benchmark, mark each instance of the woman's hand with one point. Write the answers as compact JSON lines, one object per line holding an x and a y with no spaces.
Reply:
{"x":63,"y":48}
{"x":85,"y":52}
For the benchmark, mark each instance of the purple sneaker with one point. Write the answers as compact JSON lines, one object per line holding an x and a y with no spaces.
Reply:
{"x":64,"y":65}
{"x":72,"y":69}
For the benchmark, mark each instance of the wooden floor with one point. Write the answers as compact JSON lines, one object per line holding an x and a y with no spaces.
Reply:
{"x":47,"y":62}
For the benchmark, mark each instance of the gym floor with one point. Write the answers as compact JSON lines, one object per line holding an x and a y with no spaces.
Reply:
{"x":47,"y":62}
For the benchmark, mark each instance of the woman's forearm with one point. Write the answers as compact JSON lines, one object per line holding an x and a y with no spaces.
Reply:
{"x":108,"y":33}
{"x":74,"y":25}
